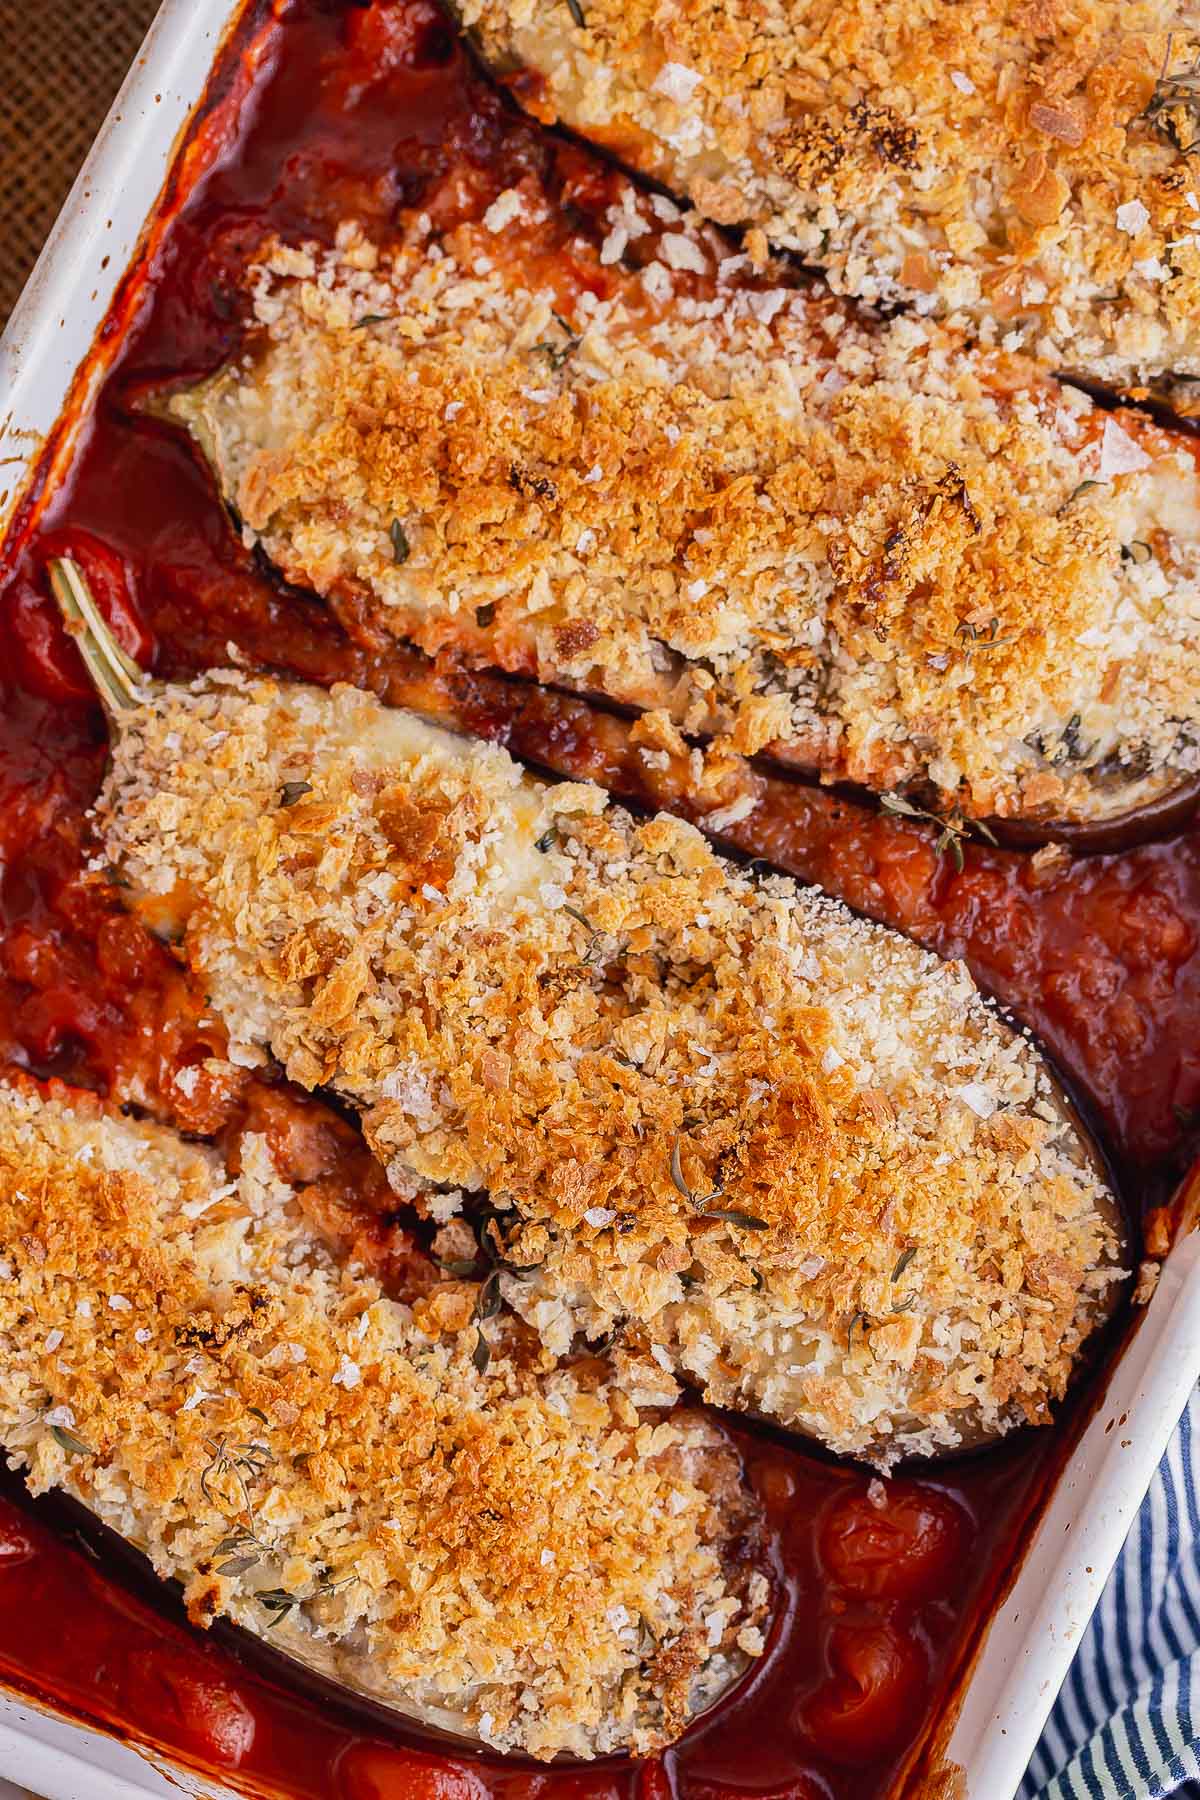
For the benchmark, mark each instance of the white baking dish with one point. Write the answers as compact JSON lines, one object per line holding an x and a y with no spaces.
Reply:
{"x":1033,"y":1636}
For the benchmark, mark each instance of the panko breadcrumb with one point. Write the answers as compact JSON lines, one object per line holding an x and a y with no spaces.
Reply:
{"x":784,"y":1152}
{"x":1028,"y":170}
{"x":863,"y":548}
{"x":516,"y":1554}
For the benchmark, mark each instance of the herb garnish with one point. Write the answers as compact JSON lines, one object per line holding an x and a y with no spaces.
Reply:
{"x":401,"y":549}
{"x":547,"y":840}
{"x":277,"y":1601}
{"x":66,"y":1440}
{"x":576,"y":12}
{"x":1074,"y":495}
{"x":291,"y":791}
{"x":954,"y":829}
{"x":557,"y":354}
{"x":860,"y":1318}
{"x":701,"y":1202}
{"x":971,"y":638}
{"x":370,"y":319}
{"x":903,"y":1263}
{"x":487,"y":1305}
{"x":1175,"y":103}
{"x":245,"y":1462}
{"x":593,"y":952}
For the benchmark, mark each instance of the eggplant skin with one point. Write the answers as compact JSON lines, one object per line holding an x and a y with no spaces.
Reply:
{"x":784,"y":1154}
{"x":488,"y":1550}
{"x":889,"y":163}
{"x":866,"y":550}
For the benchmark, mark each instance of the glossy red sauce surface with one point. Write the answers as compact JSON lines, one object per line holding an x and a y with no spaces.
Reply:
{"x":363,"y":110}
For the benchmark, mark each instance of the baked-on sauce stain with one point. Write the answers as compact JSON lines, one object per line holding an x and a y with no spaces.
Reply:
{"x":363,"y":110}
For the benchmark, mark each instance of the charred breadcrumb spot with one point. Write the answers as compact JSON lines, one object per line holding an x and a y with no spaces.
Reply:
{"x":522,"y":482}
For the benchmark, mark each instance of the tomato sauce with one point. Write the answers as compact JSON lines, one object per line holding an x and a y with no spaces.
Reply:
{"x":364,"y":110}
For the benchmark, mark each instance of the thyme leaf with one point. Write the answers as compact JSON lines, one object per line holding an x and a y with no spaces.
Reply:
{"x":370,"y":319}
{"x":701,"y":1202}
{"x":547,"y":840}
{"x":734,"y":1216}
{"x":576,"y":12}
{"x":859,"y":1318}
{"x":1083,"y":488}
{"x":953,"y":828}
{"x":291,"y":791}
{"x":401,"y":548}
{"x":66,"y":1440}
{"x":277,"y":1601}
{"x":903,"y":1263}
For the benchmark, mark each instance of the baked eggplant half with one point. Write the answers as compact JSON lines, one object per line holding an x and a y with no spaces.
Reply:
{"x":781,"y":1151}
{"x":1034,"y":180}
{"x":865,"y":550}
{"x":501,"y":1548}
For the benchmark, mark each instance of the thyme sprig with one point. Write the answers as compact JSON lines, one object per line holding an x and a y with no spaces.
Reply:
{"x":245,"y":1462}
{"x":968,"y":638}
{"x":595,"y":949}
{"x":703,"y":1203}
{"x":1174,"y":106}
{"x":954,"y":828}
{"x":558,"y":354}
{"x":864,"y":1322}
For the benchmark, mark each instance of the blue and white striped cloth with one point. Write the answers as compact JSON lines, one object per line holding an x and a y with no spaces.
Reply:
{"x":1126,"y":1725}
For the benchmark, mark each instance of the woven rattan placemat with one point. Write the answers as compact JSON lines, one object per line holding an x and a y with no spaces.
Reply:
{"x":61,"y":62}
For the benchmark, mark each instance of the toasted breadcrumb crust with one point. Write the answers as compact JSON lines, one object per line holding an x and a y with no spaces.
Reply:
{"x":863,"y":548}
{"x":796,"y":1156}
{"x":1023,"y":168}
{"x":516,"y":1554}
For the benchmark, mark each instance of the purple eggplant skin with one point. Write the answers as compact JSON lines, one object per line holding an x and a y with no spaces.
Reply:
{"x":1159,"y":818}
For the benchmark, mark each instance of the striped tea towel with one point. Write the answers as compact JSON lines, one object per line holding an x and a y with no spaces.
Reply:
{"x":1126,"y":1725}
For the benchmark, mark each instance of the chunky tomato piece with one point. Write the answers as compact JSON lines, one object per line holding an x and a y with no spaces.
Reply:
{"x":388,"y":35}
{"x":190,"y":1703}
{"x":874,"y":1692}
{"x":372,"y":1772}
{"x":905,"y":1549}
{"x":44,"y":660}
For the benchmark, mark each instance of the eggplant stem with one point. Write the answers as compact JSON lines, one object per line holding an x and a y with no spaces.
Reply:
{"x":115,"y":676}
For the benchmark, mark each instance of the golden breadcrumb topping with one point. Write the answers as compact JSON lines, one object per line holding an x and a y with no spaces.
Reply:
{"x":516,"y":1552}
{"x":1024,"y":167}
{"x":797,"y":1157}
{"x":864,"y":548}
